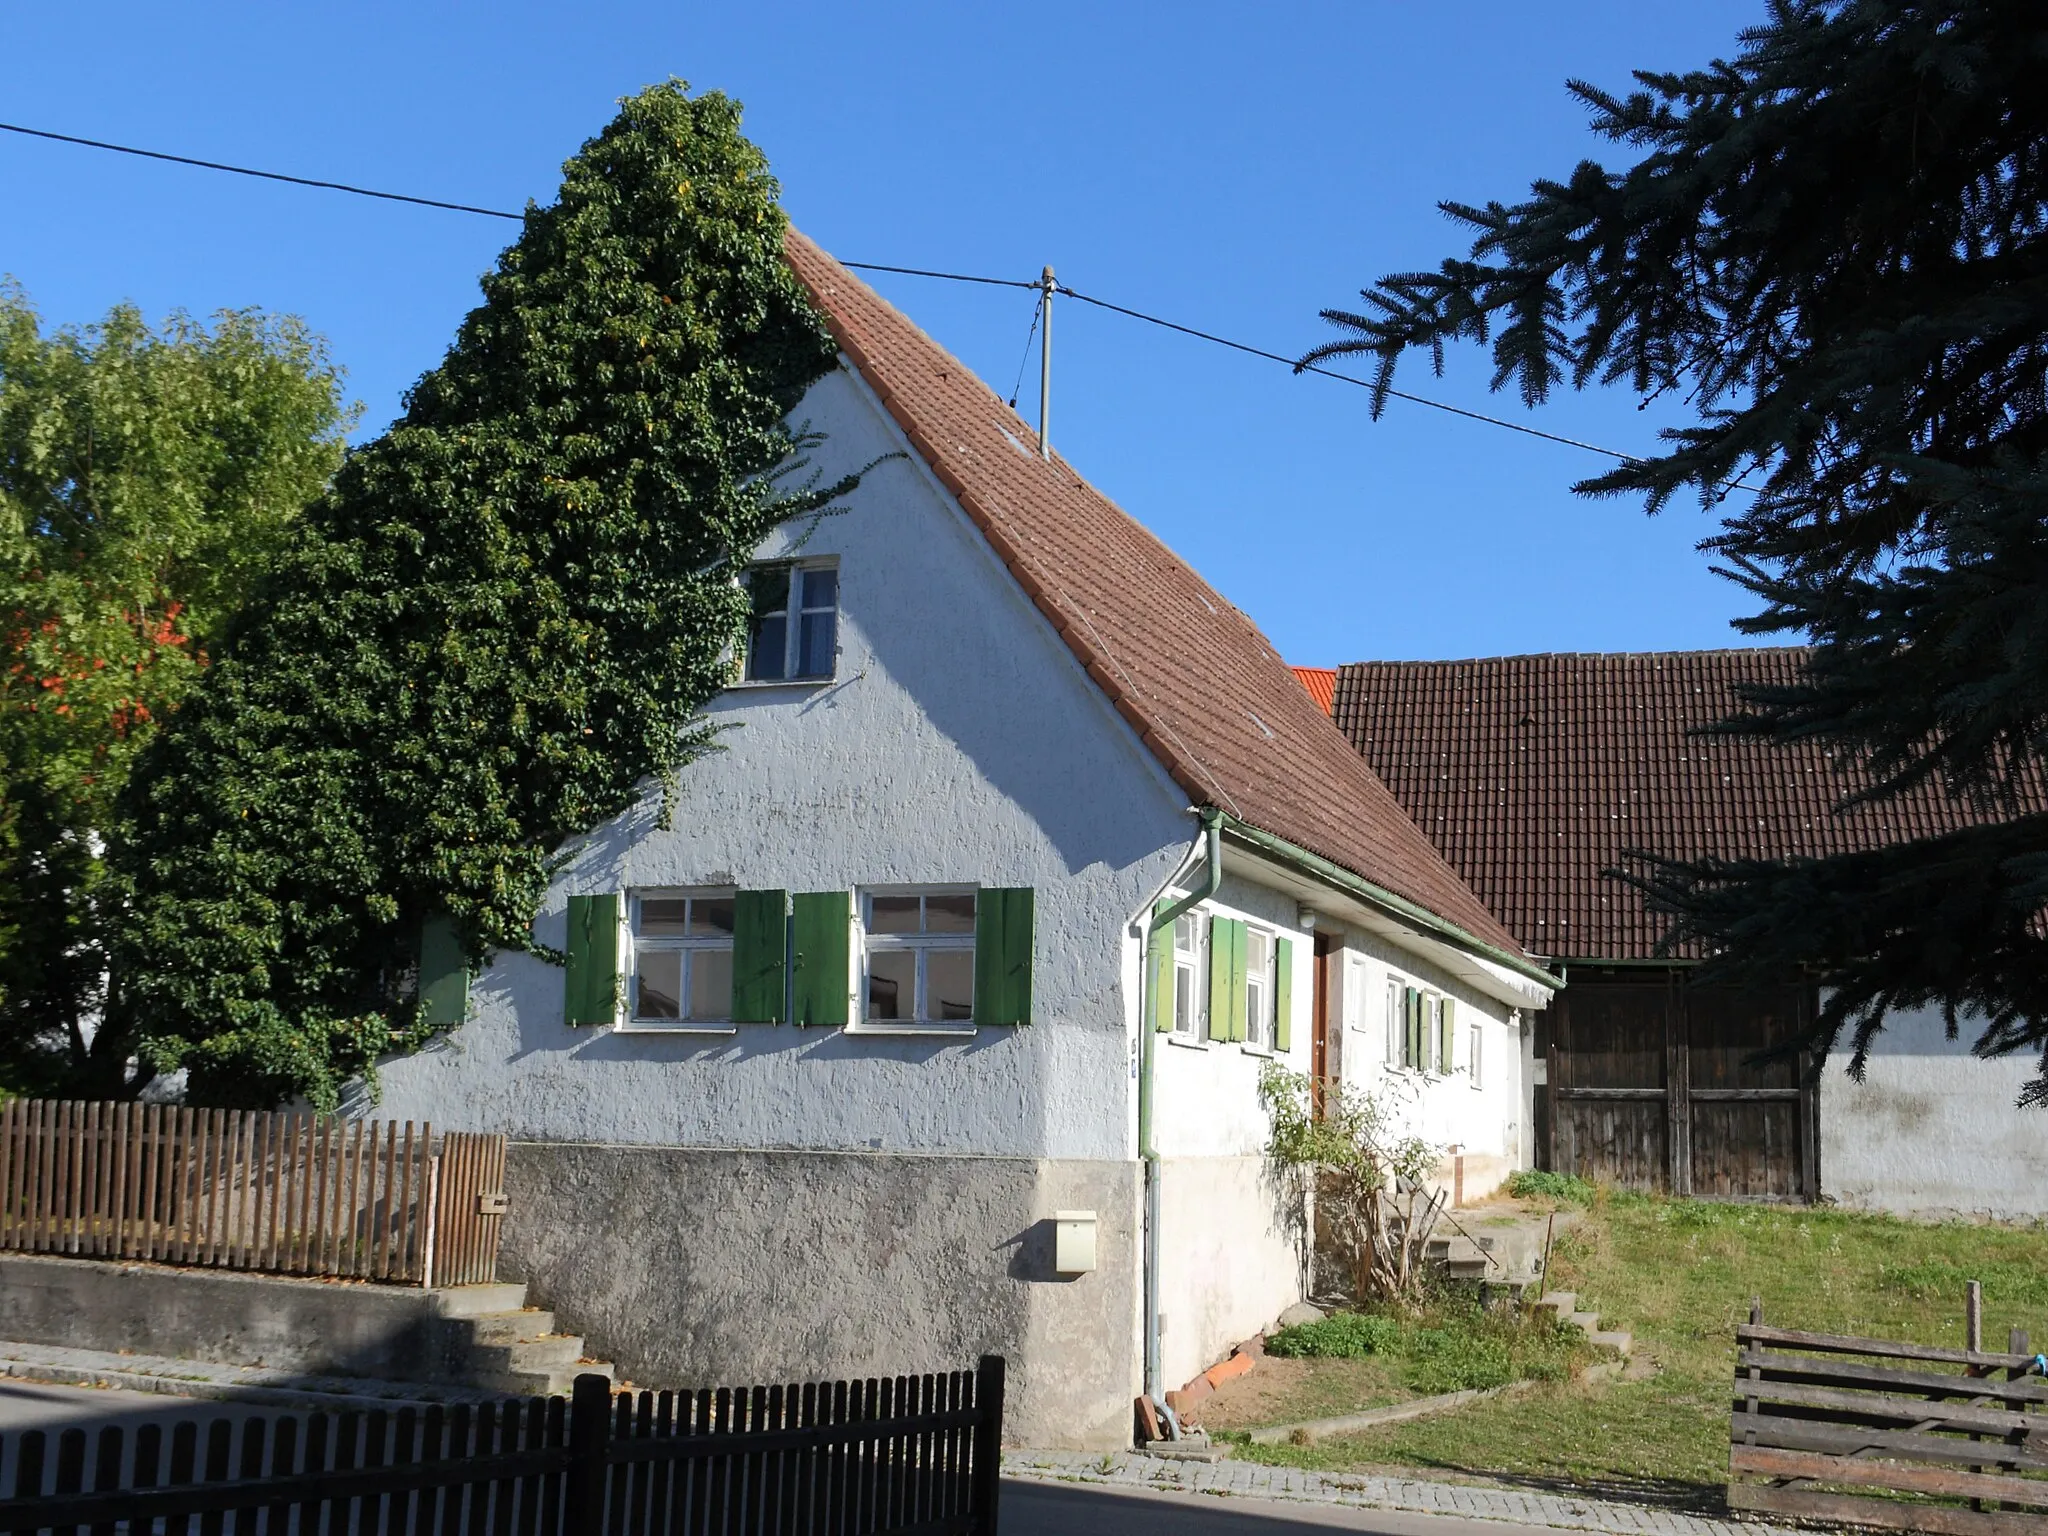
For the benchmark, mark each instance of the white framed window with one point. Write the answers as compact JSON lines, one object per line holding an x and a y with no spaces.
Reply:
{"x":793,"y":634}
{"x":1187,"y":976}
{"x":1397,"y":1026}
{"x":1258,"y":989}
{"x":918,"y":952}
{"x":682,"y":958}
{"x":1474,"y":1041}
{"x":1433,"y":1040}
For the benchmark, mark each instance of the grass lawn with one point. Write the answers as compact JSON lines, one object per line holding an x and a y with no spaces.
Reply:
{"x":1679,"y":1275}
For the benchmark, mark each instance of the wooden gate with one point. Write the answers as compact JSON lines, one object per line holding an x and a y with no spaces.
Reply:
{"x":1649,"y":1085}
{"x":236,"y":1189}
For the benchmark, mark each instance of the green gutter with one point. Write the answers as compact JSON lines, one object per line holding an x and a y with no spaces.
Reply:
{"x":1339,"y":878}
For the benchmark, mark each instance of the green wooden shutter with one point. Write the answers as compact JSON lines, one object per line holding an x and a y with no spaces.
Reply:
{"x":444,"y":975}
{"x":1004,"y":931}
{"x":591,"y":990}
{"x":1411,"y":1027}
{"x":760,"y":956}
{"x":1219,"y":978}
{"x":1446,"y":1037}
{"x":1240,"y":1004}
{"x":821,"y":924}
{"x":1159,"y":970}
{"x":1283,"y":995}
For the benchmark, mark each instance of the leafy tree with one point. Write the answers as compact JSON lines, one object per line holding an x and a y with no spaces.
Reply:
{"x":492,"y":632}
{"x":146,"y":476}
{"x":1835,"y":247}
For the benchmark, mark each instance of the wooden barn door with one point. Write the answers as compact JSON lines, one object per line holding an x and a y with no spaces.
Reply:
{"x":1650,"y":1087}
{"x":1610,"y":1082}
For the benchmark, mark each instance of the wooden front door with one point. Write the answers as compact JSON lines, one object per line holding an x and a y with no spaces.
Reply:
{"x":1649,"y":1086}
{"x":1326,"y":1058}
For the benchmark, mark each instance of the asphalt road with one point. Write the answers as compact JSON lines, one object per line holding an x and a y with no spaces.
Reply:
{"x":1028,"y":1508}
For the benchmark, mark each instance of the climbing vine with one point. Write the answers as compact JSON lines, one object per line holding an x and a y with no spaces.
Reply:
{"x":497,"y":626}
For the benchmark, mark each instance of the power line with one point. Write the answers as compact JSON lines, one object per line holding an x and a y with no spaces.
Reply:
{"x":862,"y":266}
{"x":243,"y":170}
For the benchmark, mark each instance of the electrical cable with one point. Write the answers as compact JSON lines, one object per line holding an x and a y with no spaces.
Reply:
{"x":243,"y":170}
{"x":870,"y":266}
{"x":1025,"y":361}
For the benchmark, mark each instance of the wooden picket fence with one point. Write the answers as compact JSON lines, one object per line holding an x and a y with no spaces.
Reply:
{"x":286,"y":1193}
{"x":1910,"y":1437}
{"x":915,"y":1454}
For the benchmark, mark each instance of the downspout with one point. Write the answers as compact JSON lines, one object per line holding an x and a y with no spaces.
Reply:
{"x":1148,"y":1152}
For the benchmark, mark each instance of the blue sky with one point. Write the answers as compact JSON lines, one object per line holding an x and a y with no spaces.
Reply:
{"x":1236,"y":168}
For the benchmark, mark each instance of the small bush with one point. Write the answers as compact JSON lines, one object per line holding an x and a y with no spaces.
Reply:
{"x":1341,"y":1336}
{"x":1565,"y":1188}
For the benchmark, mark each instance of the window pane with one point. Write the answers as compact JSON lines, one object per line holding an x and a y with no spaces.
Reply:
{"x":893,"y":914}
{"x":821,"y":588}
{"x":818,"y":642}
{"x":1258,"y":952}
{"x":892,"y":983}
{"x":660,"y":990}
{"x":1184,"y":933}
{"x":711,"y":917}
{"x":948,"y":983}
{"x":949,"y":914}
{"x":711,"y":984}
{"x":766,"y":661}
{"x":1184,"y":999}
{"x":1255,"y":1009}
{"x":768,"y":586}
{"x":661,"y":917}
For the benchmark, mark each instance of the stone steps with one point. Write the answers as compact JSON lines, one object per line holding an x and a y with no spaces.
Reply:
{"x":503,"y":1345}
{"x":1564,"y":1305}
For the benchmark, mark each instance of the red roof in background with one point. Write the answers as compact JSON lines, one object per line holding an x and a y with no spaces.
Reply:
{"x":1321,"y":683}
{"x":1533,"y":774}
{"x":1204,"y":690}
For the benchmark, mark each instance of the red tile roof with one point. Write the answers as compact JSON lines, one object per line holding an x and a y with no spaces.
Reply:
{"x":1321,"y":683}
{"x":1534,"y":773}
{"x":1203,"y":689}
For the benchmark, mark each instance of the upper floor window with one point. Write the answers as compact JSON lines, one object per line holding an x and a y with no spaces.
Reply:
{"x":920,"y":956}
{"x":682,"y":958}
{"x":794,"y":632}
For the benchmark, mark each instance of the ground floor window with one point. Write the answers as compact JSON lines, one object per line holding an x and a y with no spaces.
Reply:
{"x":1187,"y":958}
{"x":919,"y":948}
{"x":682,"y":957}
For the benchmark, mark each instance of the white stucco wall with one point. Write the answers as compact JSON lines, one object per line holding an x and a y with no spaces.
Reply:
{"x":959,"y":742}
{"x":1931,"y":1128}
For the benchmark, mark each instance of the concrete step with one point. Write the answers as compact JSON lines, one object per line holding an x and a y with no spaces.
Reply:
{"x":1563,"y":1303}
{"x":1585,"y":1322}
{"x":1617,"y":1339}
{"x":510,"y":1327}
{"x":477,"y":1300}
{"x":555,"y":1383}
{"x":525,"y":1355}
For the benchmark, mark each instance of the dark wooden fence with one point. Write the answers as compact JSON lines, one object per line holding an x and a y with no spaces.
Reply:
{"x":915,"y":1454}
{"x":1909,"y":1437}
{"x":286,"y":1193}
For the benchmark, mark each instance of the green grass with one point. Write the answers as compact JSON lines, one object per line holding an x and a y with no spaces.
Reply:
{"x":1557,"y":1188}
{"x":1452,"y":1345}
{"x":1679,"y":1275}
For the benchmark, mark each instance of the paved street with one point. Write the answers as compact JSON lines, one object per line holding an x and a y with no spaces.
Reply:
{"x":1050,"y":1509}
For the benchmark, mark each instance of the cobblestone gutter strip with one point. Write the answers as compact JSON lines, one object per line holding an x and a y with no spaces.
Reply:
{"x":1250,"y":1480}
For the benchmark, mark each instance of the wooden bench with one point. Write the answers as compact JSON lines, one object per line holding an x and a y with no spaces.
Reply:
{"x":1894,"y":1439}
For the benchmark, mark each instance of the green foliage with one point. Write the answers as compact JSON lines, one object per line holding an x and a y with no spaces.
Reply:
{"x":495,"y":630}
{"x":1562,"y":1188}
{"x":1340,"y":1336}
{"x":1832,"y":247}
{"x":1354,"y":1133}
{"x":147,"y":476}
{"x":2008,"y":1280}
{"x":1453,"y":1346}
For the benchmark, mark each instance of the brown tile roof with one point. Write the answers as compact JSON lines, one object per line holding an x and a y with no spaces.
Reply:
{"x":1203,"y":689}
{"x":1534,"y":773}
{"x":1321,"y":683}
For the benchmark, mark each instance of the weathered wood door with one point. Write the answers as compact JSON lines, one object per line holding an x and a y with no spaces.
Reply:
{"x":1650,"y":1086}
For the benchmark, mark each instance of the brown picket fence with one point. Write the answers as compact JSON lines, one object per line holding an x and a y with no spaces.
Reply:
{"x":1908,"y":1437}
{"x":286,"y":1193}
{"x":911,"y":1454}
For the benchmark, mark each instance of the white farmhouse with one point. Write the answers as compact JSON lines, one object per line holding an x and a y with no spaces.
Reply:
{"x":931,"y":1019}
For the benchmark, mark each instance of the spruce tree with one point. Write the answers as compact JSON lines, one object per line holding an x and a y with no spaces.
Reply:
{"x":489,"y":636}
{"x":1835,"y":246}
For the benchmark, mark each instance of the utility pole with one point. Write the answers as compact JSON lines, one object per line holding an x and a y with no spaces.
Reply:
{"x":1046,"y":285}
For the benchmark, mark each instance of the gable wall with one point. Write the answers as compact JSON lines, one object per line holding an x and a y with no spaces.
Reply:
{"x":960,"y":742}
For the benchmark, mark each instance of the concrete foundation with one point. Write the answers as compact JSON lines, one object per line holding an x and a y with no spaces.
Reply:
{"x":693,"y":1267}
{"x":309,"y":1327}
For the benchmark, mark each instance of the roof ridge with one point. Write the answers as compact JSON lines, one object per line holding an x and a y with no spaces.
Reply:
{"x":1467,"y":661}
